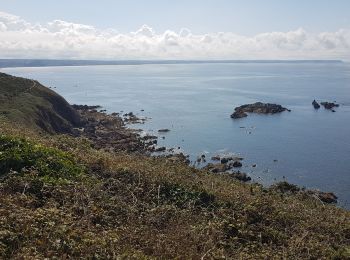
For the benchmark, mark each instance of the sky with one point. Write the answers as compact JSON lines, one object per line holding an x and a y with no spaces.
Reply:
{"x":175,"y":29}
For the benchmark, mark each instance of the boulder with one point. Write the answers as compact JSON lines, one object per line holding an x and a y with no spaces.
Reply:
{"x":315,"y":104}
{"x":224,"y":160}
{"x":236,"y":164}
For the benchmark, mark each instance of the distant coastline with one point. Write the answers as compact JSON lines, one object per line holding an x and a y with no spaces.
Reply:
{"x":11,"y":63}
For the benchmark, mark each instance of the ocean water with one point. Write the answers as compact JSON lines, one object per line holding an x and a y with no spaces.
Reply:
{"x":307,"y":147}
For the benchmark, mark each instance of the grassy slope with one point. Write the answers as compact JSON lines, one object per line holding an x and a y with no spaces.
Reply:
{"x":69,"y":200}
{"x":28,"y":103}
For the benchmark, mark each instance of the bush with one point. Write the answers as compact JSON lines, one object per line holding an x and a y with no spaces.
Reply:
{"x":52,"y":165}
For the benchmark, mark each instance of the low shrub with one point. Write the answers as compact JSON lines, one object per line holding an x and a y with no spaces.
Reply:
{"x":18,"y":154}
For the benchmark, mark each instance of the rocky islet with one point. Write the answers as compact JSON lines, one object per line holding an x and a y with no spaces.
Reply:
{"x":258,"y":108}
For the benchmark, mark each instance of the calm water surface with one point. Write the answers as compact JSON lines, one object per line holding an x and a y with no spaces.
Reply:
{"x":312,"y":148}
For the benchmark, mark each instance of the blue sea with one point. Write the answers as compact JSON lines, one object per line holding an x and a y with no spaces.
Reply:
{"x":307,"y":147}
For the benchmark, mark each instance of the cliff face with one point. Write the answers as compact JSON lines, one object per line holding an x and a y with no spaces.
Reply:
{"x":28,"y":103}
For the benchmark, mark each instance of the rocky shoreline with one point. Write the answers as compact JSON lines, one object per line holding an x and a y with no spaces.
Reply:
{"x":110,"y":133}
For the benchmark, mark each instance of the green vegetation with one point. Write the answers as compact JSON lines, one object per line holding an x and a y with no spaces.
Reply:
{"x":132,"y":206}
{"x":19,"y":155}
{"x":61,"y":198}
{"x":27,"y":103}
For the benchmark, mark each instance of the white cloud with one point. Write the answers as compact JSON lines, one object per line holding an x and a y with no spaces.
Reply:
{"x":63,"y":27}
{"x":145,"y":30}
{"x":61,"y":39}
{"x":184,"y":32}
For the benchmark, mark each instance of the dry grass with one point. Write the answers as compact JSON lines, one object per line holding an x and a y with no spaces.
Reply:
{"x":132,"y":206}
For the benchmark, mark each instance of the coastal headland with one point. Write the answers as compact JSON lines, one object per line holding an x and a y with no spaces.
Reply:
{"x":76,"y":182}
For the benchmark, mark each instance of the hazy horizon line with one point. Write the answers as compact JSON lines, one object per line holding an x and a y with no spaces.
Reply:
{"x":16,"y":62}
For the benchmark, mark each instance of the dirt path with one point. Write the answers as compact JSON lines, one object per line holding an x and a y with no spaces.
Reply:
{"x":16,"y":95}
{"x":34,"y":85}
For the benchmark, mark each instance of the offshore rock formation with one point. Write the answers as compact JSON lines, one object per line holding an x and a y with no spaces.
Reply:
{"x":326,"y":105}
{"x":315,"y":104}
{"x":259,"y":108}
{"x":329,"y":105}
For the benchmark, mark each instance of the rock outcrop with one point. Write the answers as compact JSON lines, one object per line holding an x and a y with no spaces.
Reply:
{"x":236,"y":164}
{"x":258,"y":108}
{"x":109,"y":132}
{"x":316,"y":104}
{"x":165,"y":130}
{"x":329,"y":105}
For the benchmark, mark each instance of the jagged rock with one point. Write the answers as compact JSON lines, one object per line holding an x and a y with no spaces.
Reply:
{"x":224,"y":160}
{"x":149,"y":137}
{"x":238,"y":114}
{"x":85,"y":107}
{"x":130,"y":114}
{"x":160,"y":149}
{"x":259,"y":108}
{"x":131,"y":118}
{"x":108,"y":132}
{"x":329,"y":105}
{"x":315,"y":104}
{"x":236,"y":164}
{"x":163,"y":130}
